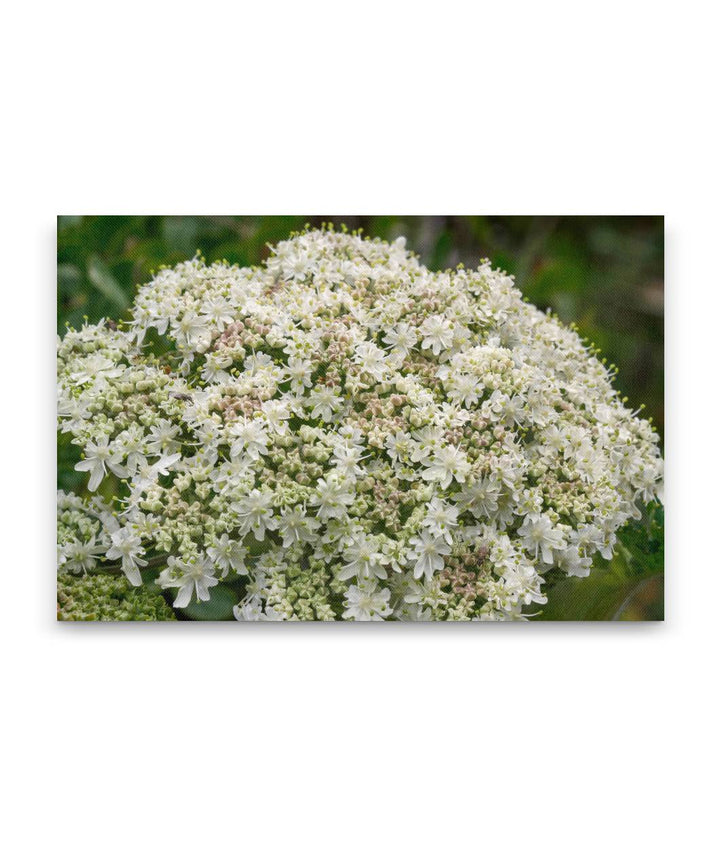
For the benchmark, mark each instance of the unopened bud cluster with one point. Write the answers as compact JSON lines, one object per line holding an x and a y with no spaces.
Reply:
{"x":107,"y":597}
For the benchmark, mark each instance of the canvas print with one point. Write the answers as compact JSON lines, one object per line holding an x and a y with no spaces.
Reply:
{"x":390,"y":418}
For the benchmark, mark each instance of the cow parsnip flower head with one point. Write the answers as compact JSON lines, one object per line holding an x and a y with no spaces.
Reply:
{"x":350,"y":435}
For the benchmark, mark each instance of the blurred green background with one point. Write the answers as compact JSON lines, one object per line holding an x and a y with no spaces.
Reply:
{"x":603,"y":273}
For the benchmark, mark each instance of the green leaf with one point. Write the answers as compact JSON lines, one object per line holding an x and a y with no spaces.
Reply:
{"x":218,"y":608}
{"x":67,"y":221}
{"x":629,"y":587}
{"x":69,"y":279}
{"x":645,"y":602}
{"x":102,"y":278}
{"x":603,"y":596}
{"x":181,"y":234}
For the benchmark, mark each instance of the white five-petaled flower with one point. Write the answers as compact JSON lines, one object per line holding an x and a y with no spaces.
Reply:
{"x":81,"y":556}
{"x":252,"y":610}
{"x":464,"y":389}
{"x":437,"y":333}
{"x":365,"y":603}
{"x":428,"y":552}
{"x":324,"y":403}
{"x":574,"y":563}
{"x":131,"y":443}
{"x":427,"y":440}
{"x":161,"y":439}
{"x":446,"y":464}
{"x":214,"y":369}
{"x":217,"y":311}
{"x":371,"y":359}
{"x":227,"y":554}
{"x":255,"y":513}
{"x":73,"y":412}
{"x":191,"y":331}
{"x":192,"y":575}
{"x":256,"y":364}
{"x":126,"y":545}
{"x":539,"y":536}
{"x":346,"y":459}
{"x":99,"y":457}
{"x":402,"y":337}
{"x":296,"y":527}
{"x":398,"y":445}
{"x":276,"y":415}
{"x":299,"y":372}
{"x":95,"y":367}
{"x":251,"y":438}
{"x":146,"y":474}
{"x":333,"y":495}
{"x":363,"y":561}
{"x":441,"y":519}
{"x":480,"y":497}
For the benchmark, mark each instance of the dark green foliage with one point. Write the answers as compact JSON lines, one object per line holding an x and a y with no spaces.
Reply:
{"x":629,"y":587}
{"x":219,"y":608}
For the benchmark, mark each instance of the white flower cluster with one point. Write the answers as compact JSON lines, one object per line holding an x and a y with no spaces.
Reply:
{"x":349,"y":435}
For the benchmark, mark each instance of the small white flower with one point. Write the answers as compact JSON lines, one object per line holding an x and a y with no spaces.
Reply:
{"x":365,"y":603}
{"x":371,"y":359}
{"x":192,"y":332}
{"x":217,"y":313}
{"x":131,"y":443}
{"x":480,"y":497}
{"x":539,"y":536}
{"x":428,"y":551}
{"x":441,"y":519}
{"x":126,"y":545}
{"x":295,"y":527}
{"x":332,"y":497}
{"x":227,"y":554}
{"x":346,"y":460}
{"x":437,"y":333}
{"x":196,"y":575}
{"x":99,"y":457}
{"x":252,"y":610}
{"x":446,"y":464}
{"x":300,"y":373}
{"x":251,"y":438}
{"x":95,"y":367}
{"x":161,"y":439}
{"x":81,"y":556}
{"x":363,"y":561}
{"x":402,"y":338}
{"x":465,"y":389}
{"x":398,"y":445}
{"x":574,"y":563}
{"x":214,"y":369}
{"x":427,"y":441}
{"x":73,"y":412}
{"x":255,"y":513}
{"x":323,"y":403}
{"x":276,"y":415}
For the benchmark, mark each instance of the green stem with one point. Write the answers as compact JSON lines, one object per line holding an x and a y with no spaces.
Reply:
{"x":117,"y":568}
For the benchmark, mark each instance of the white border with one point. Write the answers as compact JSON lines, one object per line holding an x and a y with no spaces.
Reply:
{"x":549,"y":739}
